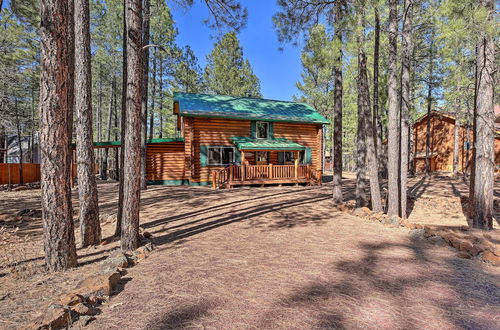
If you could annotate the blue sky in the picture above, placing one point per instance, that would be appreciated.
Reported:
(277, 70)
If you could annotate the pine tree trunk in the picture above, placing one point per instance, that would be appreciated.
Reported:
(364, 108)
(153, 98)
(377, 124)
(430, 87)
(405, 101)
(55, 134)
(133, 131)
(99, 124)
(456, 144)
(145, 82)
(337, 115)
(361, 199)
(119, 217)
(393, 136)
(20, 142)
(481, 197)
(90, 228)
(110, 126)
(160, 87)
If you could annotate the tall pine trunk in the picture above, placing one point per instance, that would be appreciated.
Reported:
(377, 124)
(160, 87)
(405, 100)
(364, 108)
(90, 229)
(153, 98)
(430, 87)
(55, 134)
(145, 82)
(393, 136)
(456, 144)
(481, 195)
(118, 228)
(133, 132)
(99, 123)
(361, 198)
(110, 125)
(19, 142)
(337, 114)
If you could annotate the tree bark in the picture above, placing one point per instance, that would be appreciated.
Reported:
(160, 87)
(364, 108)
(133, 131)
(481, 197)
(153, 98)
(430, 86)
(456, 144)
(55, 134)
(90, 228)
(337, 114)
(118, 228)
(99, 125)
(361, 198)
(110, 125)
(145, 82)
(377, 124)
(20, 142)
(393, 136)
(405, 100)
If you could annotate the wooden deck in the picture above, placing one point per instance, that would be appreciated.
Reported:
(237, 175)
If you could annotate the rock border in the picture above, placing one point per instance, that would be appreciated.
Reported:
(468, 246)
(78, 307)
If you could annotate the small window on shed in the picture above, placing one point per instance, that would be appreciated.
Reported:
(262, 130)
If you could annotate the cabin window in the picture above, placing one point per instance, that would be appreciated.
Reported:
(220, 155)
(262, 130)
(262, 157)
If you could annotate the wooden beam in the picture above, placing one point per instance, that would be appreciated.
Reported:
(296, 164)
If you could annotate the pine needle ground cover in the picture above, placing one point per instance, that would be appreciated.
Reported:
(273, 257)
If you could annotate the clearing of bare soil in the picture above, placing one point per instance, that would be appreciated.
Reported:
(272, 257)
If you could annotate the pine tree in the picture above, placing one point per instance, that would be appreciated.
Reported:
(228, 72)
(393, 138)
(55, 137)
(87, 187)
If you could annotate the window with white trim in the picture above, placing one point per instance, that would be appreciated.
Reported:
(220, 155)
(262, 130)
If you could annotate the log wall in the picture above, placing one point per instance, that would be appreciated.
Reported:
(165, 162)
(218, 132)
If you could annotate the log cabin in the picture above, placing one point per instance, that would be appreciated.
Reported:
(233, 141)
(442, 142)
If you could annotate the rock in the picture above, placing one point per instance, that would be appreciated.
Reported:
(20, 188)
(361, 212)
(55, 317)
(71, 300)
(491, 258)
(416, 233)
(465, 246)
(377, 216)
(115, 260)
(411, 225)
(100, 285)
(464, 255)
(83, 321)
(82, 309)
(350, 204)
(391, 220)
(147, 234)
(464, 228)
(437, 240)
(478, 248)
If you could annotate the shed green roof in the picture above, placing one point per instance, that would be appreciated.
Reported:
(246, 143)
(231, 107)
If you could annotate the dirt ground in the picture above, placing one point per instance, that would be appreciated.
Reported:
(272, 257)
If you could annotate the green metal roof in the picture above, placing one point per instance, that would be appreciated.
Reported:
(247, 143)
(230, 107)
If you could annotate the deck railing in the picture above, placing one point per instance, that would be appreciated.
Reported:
(249, 174)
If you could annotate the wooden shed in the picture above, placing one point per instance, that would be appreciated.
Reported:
(442, 142)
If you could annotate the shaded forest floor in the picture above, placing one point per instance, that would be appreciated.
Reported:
(272, 257)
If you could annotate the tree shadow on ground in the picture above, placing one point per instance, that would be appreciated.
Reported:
(363, 293)
(183, 316)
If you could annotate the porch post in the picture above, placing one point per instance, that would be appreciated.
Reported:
(296, 165)
(270, 171)
(242, 165)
